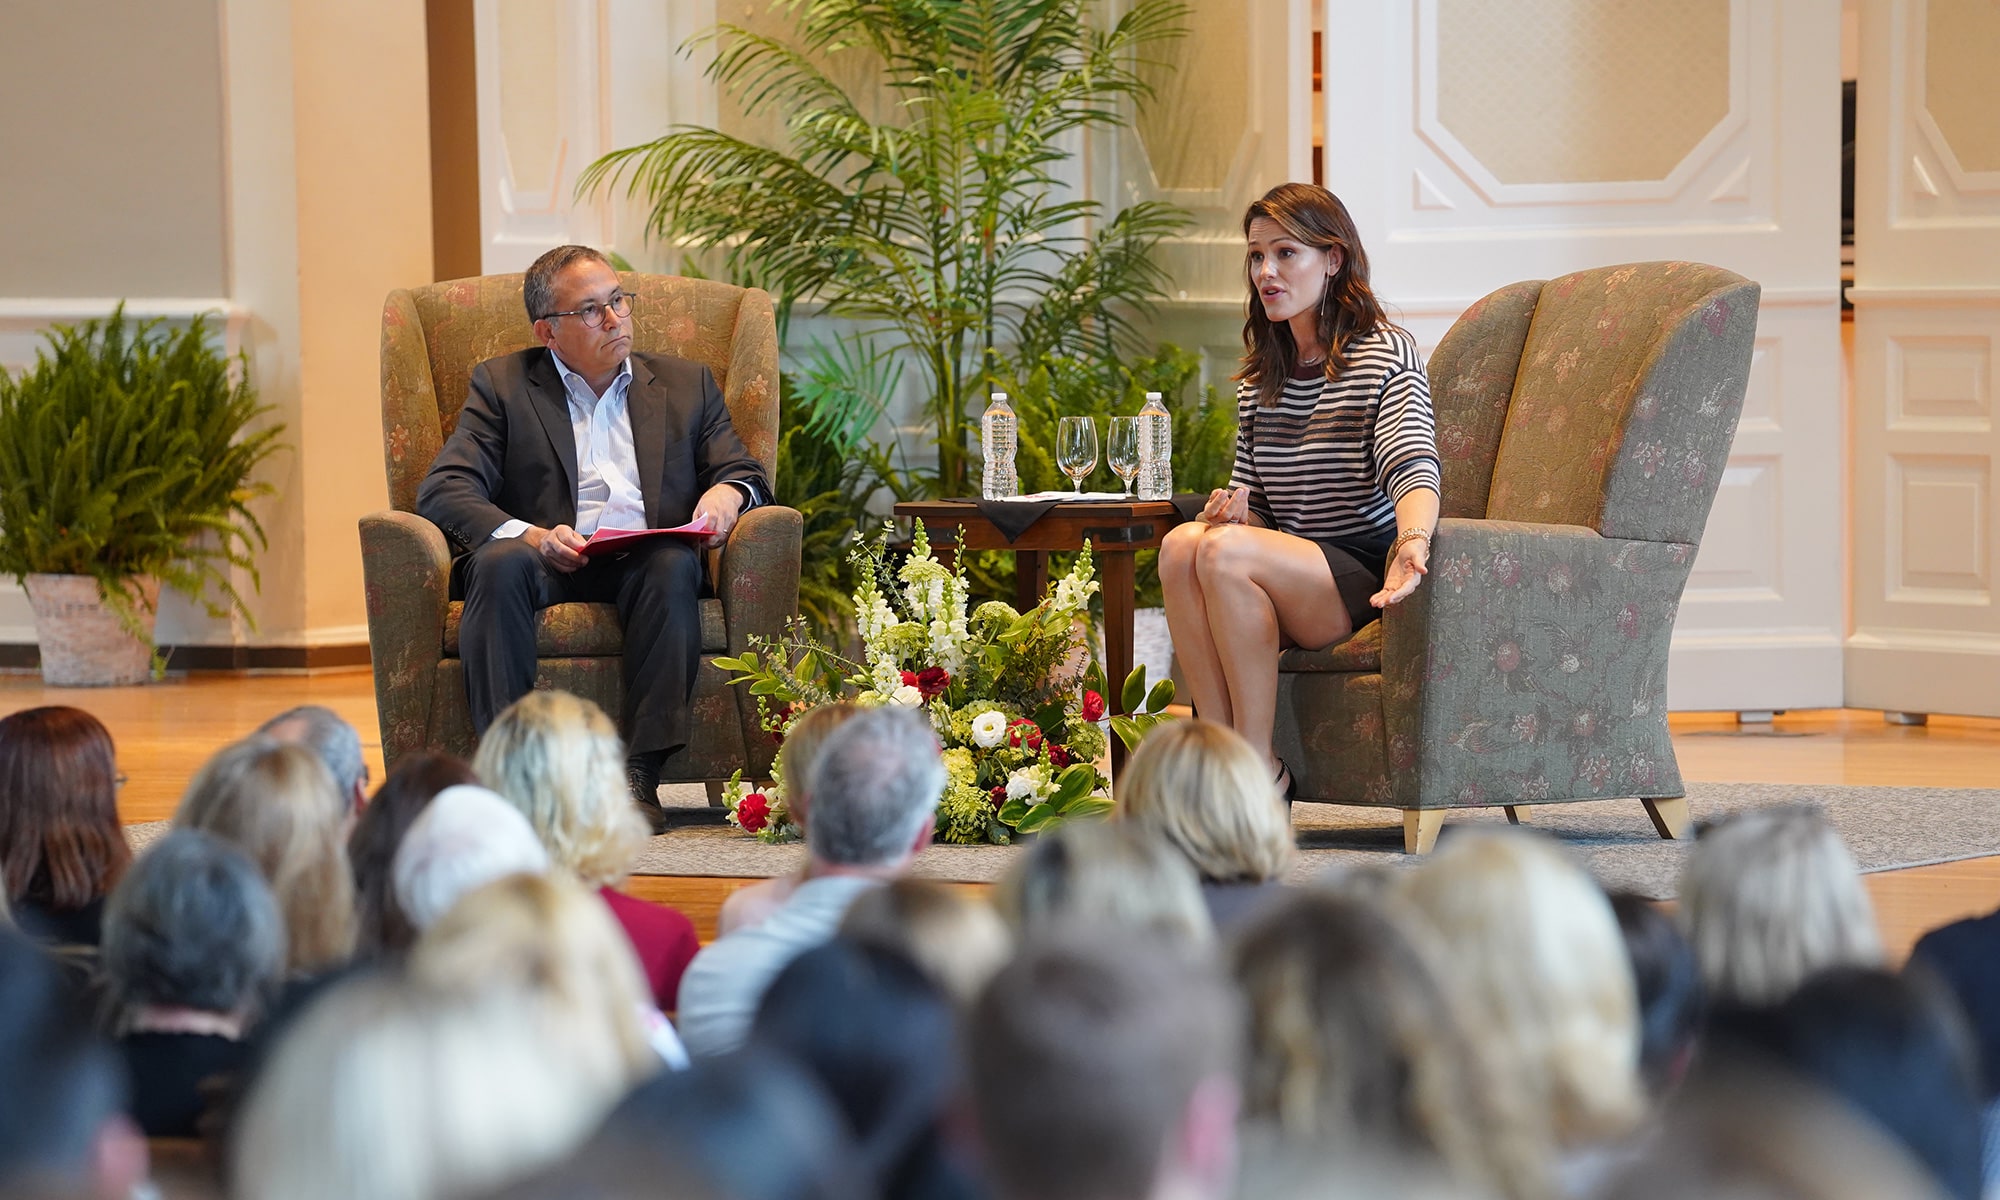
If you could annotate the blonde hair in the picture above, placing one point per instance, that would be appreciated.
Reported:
(955, 938)
(1536, 946)
(1104, 874)
(1771, 896)
(279, 804)
(394, 1091)
(557, 944)
(1358, 1040)
(804, 739)
(557, 758)
(1204, 789)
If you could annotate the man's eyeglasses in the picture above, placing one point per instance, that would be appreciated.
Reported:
(593, 312)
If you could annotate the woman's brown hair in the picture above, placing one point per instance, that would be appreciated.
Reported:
(1311, 216)
(60, 844)
(371, 848)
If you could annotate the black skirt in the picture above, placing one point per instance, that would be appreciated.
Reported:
(1358, 565)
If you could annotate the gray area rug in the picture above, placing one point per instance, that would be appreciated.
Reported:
(1887, 828)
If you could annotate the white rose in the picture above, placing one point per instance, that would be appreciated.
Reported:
(1022, 786)
(989, 728)
(908, 695)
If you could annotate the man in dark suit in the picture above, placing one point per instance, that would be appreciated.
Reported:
(557, 442)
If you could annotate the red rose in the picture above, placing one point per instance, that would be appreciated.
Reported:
(932, 681)
(753, 812)
(1024, 732)
(1093, 705)
(999, 794)
(909, 679)
(1058, 757)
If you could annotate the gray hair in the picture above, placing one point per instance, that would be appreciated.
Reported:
(327, 734)
(192, 925)
(876, 781)
(538, 286)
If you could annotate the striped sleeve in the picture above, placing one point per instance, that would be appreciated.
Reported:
(1243, 471)
(1406, 431)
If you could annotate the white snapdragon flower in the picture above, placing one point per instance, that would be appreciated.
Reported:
(1030, 784)
(907, 695)
(989, 728)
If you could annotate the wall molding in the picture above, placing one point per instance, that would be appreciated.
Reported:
(27, 656)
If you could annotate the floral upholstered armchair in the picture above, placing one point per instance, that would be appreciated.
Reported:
(432, 337)
(1583, 426)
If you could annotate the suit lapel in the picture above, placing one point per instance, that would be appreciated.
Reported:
(646, 409)
(551, 404)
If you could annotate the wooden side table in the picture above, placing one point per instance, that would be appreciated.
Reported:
(1116, 529)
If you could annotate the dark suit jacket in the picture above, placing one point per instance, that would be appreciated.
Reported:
(513, 454)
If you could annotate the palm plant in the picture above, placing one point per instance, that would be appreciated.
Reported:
(941, 225)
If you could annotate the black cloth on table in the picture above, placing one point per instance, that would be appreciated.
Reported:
(1014, 517)
(168, 1071)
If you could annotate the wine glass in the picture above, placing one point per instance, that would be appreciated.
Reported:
(1076, 449)
(1121, 450)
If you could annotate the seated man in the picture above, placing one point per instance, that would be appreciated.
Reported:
(554, 444)
(875, 788)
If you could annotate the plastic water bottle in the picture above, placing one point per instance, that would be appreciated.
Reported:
(1156, 450)
(996, 442)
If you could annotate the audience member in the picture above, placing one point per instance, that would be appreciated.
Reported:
(750, 904)
(327, 734)
(955, 938)
(1769, 897)
(278, 804)
(1357, 1042)
(1535, 946)
(192, 938)
(61, 848)
(1964, 957)
(63, 1128)
(1669, 989)
(1102, 1066)
(1104, 872)
(1206, 791)
(467, 838)
(557, 758)
(382, 929)
(875, 788)
(879, 1036)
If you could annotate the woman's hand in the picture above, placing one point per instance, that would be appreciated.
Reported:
(1406, 570)
(1227, 506)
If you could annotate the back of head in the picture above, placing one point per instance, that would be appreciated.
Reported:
(277, 803)
(957, 939)
(467, 837)
(558, 759)
(59, 1084)
(874, 787)
(382, 926)
(1110, 873)
(804, 739)
(327, 734)
(192, 925)
(1769, 897)
(1204, 789)
(1084, 1056)
(1533, 941)
(1669, 987)
(60, 843)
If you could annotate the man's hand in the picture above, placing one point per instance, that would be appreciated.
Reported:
(721, 504)
(561, 546)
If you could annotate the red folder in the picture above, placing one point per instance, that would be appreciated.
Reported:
(618, 541)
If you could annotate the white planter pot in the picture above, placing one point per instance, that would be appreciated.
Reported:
(83, 645)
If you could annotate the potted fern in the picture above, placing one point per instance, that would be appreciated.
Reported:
(125, 463)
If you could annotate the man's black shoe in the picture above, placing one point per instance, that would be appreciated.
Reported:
(645, 784)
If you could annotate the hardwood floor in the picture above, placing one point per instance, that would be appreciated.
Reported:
(166, 730)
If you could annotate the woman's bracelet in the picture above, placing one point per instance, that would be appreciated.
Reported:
(1408, 535)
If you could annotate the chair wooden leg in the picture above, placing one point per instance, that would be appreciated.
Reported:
(1670, 816)
(1420, 829)
(715, 793)
(1517, 814)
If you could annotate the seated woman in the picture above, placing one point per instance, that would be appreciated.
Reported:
(1336, 469)
(557, 758)
(1108, 874)
(749, 905)
(61, 849)
(192, 937)
(383, 929)
(1202, 789)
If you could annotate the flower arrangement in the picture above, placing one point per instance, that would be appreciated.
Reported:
(1017, 714)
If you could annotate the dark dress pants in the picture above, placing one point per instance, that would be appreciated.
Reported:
(657, 589)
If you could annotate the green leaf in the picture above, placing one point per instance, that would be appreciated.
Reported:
(1012, 811)
(1049, 718)
(1161, 696)
(1088, 807)
(1132, 698)
(1038, 817)
(1128, 731)
(766, 687)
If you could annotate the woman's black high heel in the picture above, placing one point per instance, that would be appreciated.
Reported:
(1286, 783)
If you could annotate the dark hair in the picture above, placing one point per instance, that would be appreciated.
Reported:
(60, 844)
(327, 734)
(538, 286)
(878, 1035)
(1669, 986)
(192, 925)
(1348, 309)
(371, 847)
(61, 1081)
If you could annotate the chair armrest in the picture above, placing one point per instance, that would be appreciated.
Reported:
(406, 569)
(757, 578)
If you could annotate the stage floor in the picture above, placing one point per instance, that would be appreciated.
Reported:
(166, 730)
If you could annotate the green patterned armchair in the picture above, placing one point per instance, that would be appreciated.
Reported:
(1583, 426)
(432, 337)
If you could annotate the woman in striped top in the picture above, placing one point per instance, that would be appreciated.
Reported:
(1328, 515)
